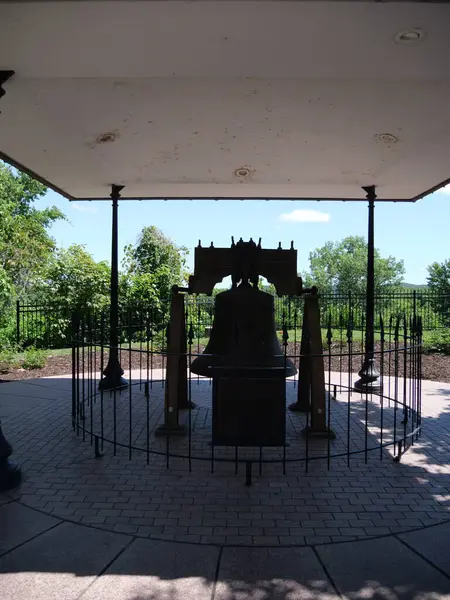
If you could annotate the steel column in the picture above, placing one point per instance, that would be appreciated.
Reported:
(113, 373)
(369, 373)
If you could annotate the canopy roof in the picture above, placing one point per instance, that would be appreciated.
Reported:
(254, 99)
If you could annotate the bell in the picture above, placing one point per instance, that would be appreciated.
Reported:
(243, 338)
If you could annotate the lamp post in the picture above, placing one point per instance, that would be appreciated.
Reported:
(113, 372)
(369, 373)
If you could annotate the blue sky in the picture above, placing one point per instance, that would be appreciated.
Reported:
(417, 233)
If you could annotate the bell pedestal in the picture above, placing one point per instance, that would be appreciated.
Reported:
(249, 408)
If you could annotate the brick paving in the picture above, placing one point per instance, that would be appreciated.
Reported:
(129, 496)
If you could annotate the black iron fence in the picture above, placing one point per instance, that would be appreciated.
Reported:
(356, 425)
(50, 326)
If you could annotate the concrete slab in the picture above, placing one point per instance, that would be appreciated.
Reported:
(271, 574)
(433, 543)
(59, 564)
(382, 569)
(158, 570)
(19, 524)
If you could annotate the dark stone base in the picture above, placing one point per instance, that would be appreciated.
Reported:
(187, 406)
(165, 430)
(110, 383)
(367, 387)
(327, 434)
(10, 475)
(298, 407)
(249, 411)
(369, 378)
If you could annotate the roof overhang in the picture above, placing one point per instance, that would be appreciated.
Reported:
(227, 99)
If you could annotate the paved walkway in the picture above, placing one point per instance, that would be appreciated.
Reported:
(85, 528)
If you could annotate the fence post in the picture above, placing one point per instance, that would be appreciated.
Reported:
(18, 322)
(74, 342)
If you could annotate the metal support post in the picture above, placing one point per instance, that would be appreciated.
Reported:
(369, 373)
(113, 373)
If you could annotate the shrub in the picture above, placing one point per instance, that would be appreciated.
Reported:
(34, 359)
(437, 342)
(8, 360)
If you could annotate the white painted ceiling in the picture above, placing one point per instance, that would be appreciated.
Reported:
(172, 98)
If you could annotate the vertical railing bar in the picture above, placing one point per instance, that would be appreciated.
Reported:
(329, 342)
(151, 346)
(91, 375)
(83, 399)
(405, 380)
(198, 332)
(382, 334)
(141, 326)
(190, 340)
(102, 337)
(114, 420)
(130, 385)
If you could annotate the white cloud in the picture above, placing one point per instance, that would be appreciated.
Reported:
(445, 190)
(85, 207)
(305, 216)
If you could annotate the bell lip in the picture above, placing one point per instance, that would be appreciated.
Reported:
(257, 372)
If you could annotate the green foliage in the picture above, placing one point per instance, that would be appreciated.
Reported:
(73, 280)
(152, 267)
(439, 283)
(437, 342)
(7, 330)
(159, 259)
(8, 360)
(6, 300)
(25, 244)
(34, 359)
(439, 277)
(341, 267)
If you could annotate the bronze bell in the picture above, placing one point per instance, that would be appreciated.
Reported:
(243, 338)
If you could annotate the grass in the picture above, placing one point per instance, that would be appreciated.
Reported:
(28, 359)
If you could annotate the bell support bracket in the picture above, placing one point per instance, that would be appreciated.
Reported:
(315, 382)
(175, 397)
(303, 404)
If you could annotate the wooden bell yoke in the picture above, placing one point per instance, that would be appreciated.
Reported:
(279, 267)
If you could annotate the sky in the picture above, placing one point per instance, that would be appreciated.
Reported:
(418, 232)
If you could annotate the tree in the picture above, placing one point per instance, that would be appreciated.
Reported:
(73, 280)
(25, 244)
(6, 293)
(340, 267)
(439, 277)
(154, 263)
(439, 283)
